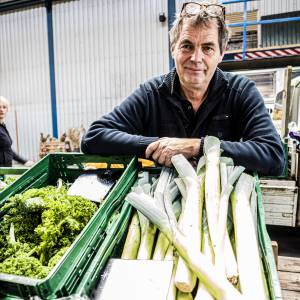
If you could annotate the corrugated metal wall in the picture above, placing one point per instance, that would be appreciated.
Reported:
(273, 7)
(104, 50)
(281, 33)
(24, 77)
(265, 7)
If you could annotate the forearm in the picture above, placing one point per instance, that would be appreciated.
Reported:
(267, 158)
(18, 158)
(107, 141)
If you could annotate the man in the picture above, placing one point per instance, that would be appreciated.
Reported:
(172, 113)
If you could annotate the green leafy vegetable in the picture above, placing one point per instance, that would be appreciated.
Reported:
(38, 228)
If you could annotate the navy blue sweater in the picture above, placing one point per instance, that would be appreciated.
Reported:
(233, 111)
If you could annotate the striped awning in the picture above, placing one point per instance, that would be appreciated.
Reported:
(264, 54)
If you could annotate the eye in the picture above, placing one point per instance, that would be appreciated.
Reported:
(208, 50)
(186, 47)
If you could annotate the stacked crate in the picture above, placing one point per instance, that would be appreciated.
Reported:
(280, 199)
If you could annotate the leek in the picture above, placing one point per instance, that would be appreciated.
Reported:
(211, 277)
(250, 272)
(202, 292)
(212, 153)
(148, 230)
(170, 253)
(133, 239)
(163, 243)
(183, 167)
(183, 296)
(225, 258)
(190, 222)
(180, 184)
(164, 194)
(172, 288)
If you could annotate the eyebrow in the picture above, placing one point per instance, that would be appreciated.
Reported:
(185, 41)
(209, 44)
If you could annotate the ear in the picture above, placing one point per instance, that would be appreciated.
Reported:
(221, 57)
(172, 50)
(223, 53)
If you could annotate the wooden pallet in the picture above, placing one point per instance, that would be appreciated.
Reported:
(289, 276)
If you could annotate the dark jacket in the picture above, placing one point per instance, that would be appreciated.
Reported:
(6, 153)
(233, 111)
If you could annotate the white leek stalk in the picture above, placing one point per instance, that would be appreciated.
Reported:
(148, 230)
(212, 153)
(172, 288)
(183, 167)
(133, 239)
(170, 253)
(209, 275)
(225, 258)
(250, 273)
(180, 184)
(202, 292)
(162, 243)
(147, 236)
(190, 226)
(190, 221)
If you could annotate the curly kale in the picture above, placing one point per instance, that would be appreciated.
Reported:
(8, 180)
(24, 265)
(38, 228)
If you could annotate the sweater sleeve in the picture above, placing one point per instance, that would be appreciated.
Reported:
(120, 131)
(260, 148)
(18, 158)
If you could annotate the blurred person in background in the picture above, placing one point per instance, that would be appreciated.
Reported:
(7, 155)
(172, 113)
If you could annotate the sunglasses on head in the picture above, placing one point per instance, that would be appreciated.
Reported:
(194, 8)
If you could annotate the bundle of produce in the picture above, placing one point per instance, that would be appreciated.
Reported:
(215, 235)
(143, 240)
(38, 227)
(8, 180)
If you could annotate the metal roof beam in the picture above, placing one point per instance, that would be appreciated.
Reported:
(20, 4)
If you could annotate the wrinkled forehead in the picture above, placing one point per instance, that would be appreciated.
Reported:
(209, 28)
(197, 23)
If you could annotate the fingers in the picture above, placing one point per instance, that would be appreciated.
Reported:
(159, 152)
(151, 149)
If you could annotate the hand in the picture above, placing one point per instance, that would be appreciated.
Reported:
(163, 149)
(29, 163)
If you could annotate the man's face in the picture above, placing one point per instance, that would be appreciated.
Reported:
(197, 54)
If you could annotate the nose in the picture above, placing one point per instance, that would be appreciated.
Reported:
(197, 55)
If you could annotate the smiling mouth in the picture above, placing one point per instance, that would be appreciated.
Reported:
(195, 70)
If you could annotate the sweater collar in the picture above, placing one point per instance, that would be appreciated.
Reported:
(218, 81)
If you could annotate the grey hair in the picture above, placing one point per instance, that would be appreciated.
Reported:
(4, 100)
(202, 18)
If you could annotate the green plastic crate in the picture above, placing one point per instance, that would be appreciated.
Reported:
(66, 275)
(112, 246)
(266, 249)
